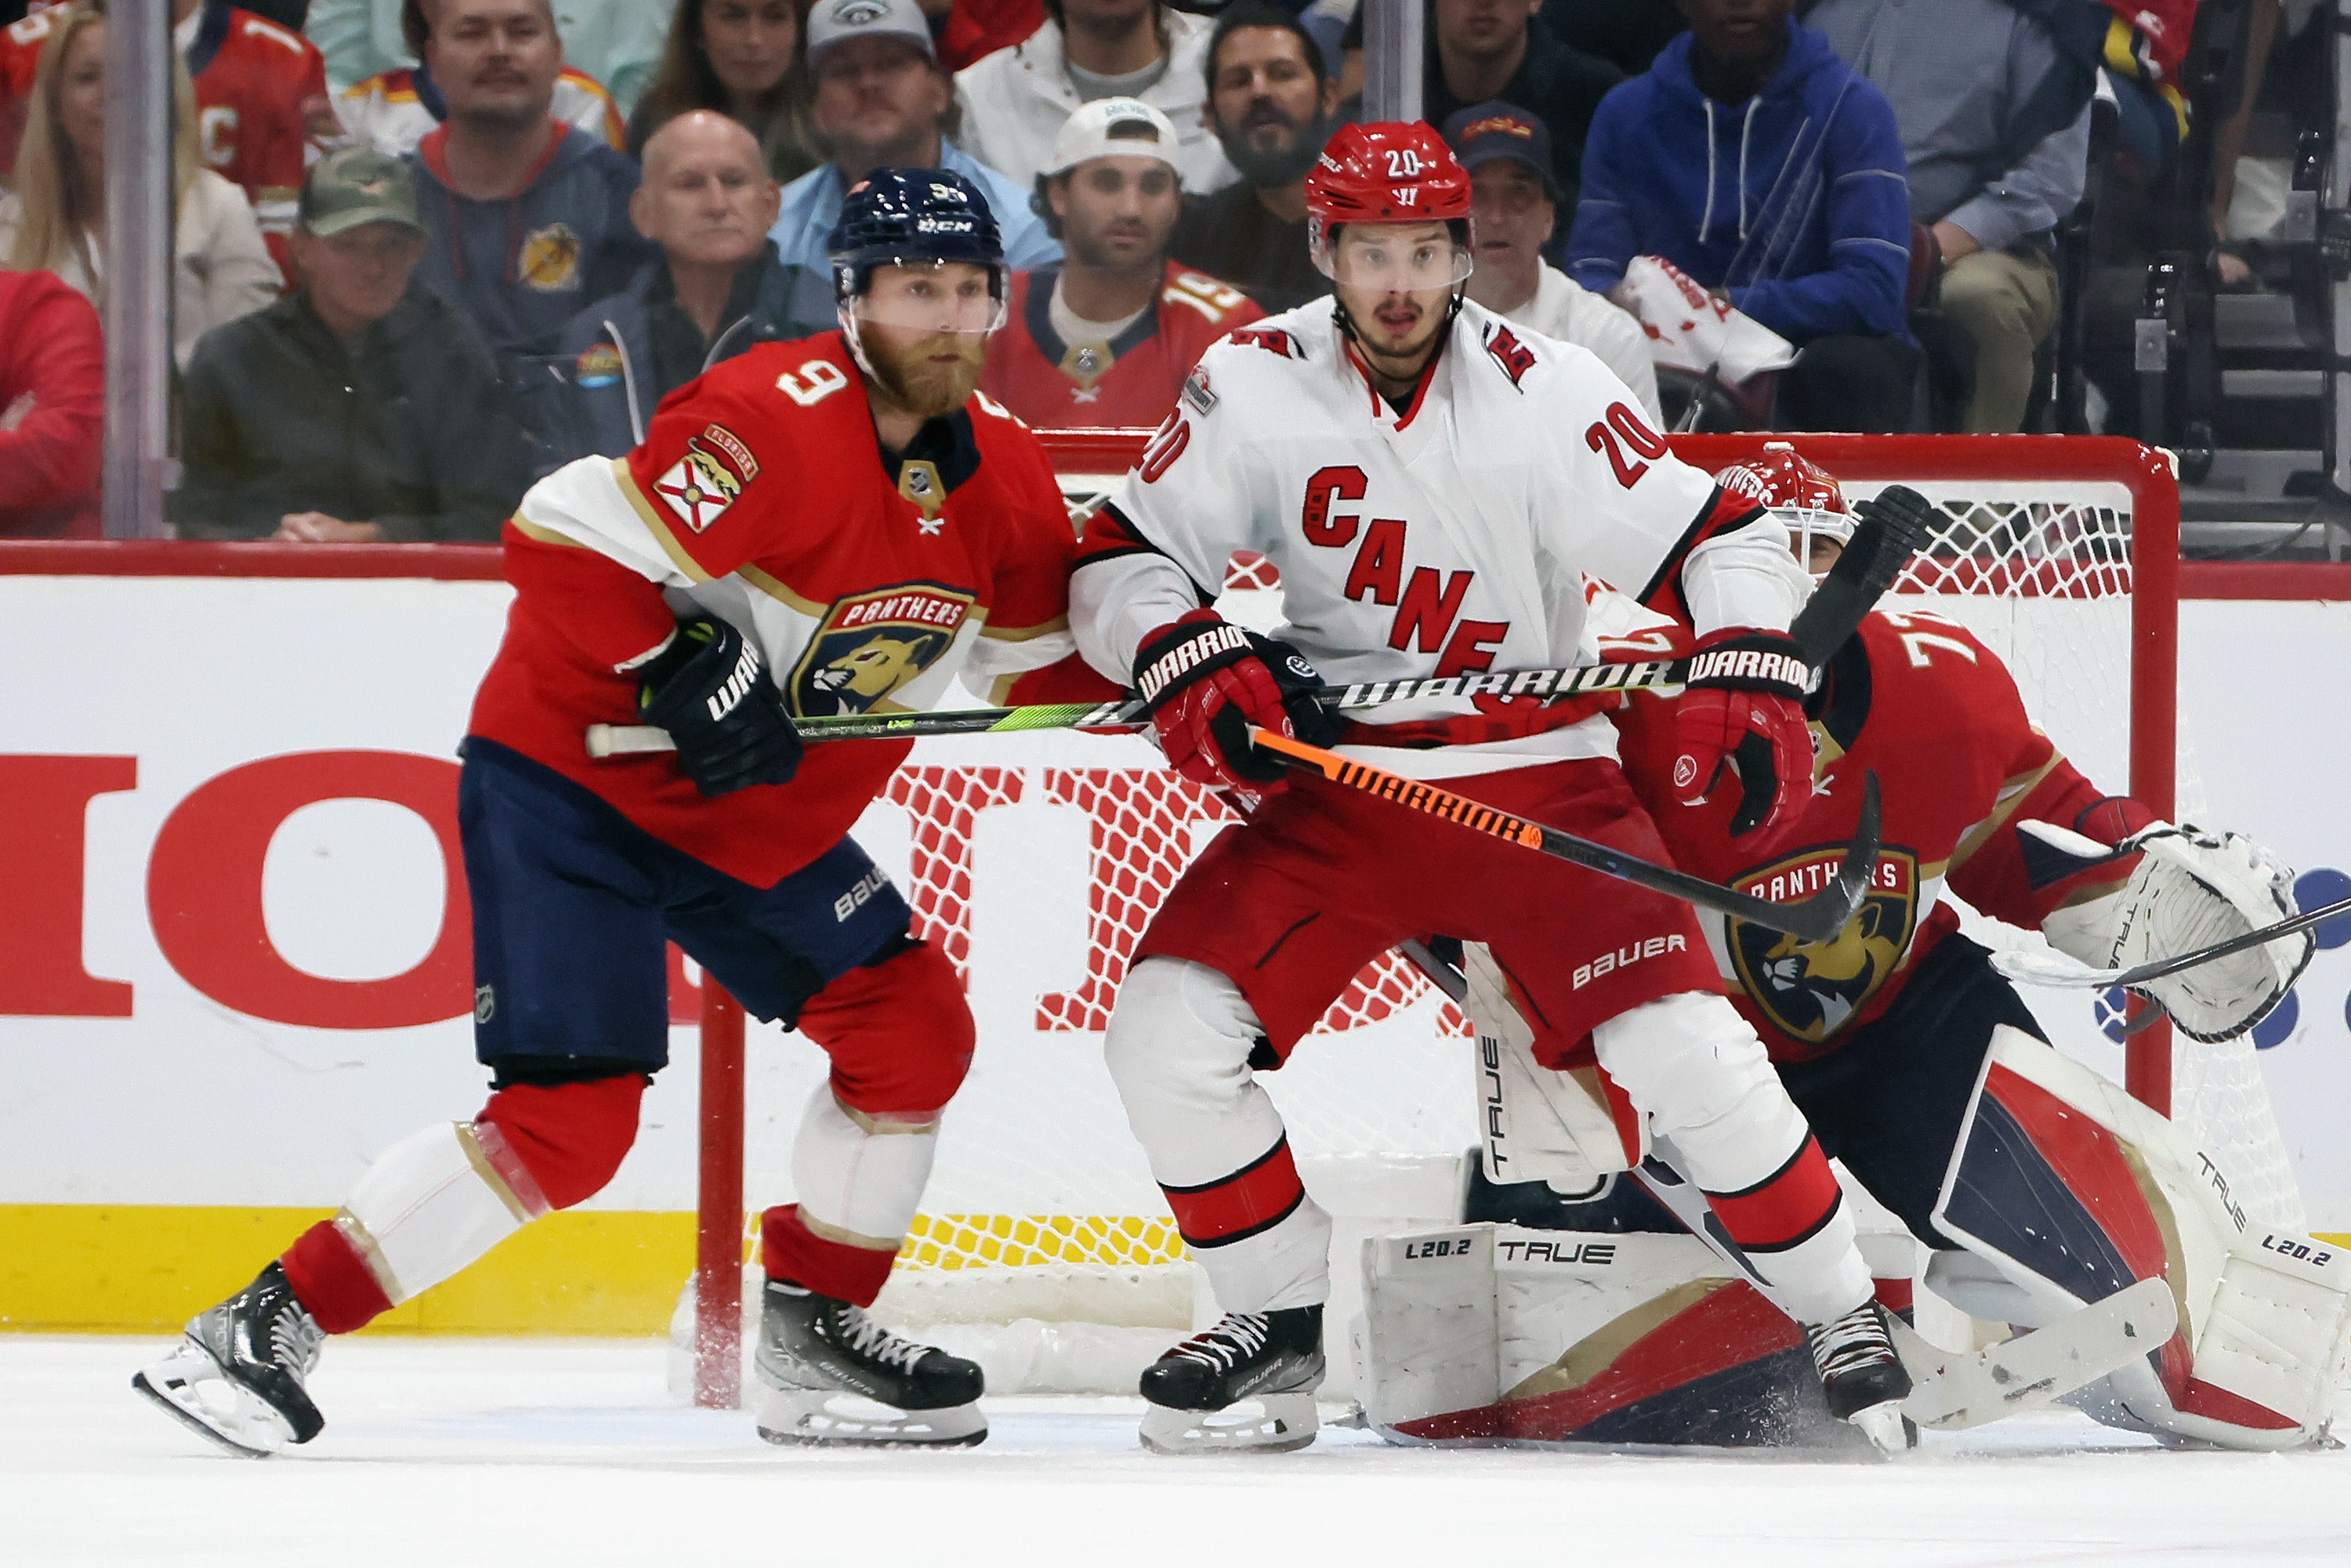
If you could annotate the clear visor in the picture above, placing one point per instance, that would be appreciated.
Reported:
(1394, 260)
(936, 297)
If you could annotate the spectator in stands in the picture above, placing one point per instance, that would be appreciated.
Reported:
(1515, 206)
(1273, 103)
(717, 289)
(361, 408)
(1961, 74)
(1491, 49)
(883, 102)
(1108, 337)
(394, 110)
(1627, 34)
(52, 409)
(261, 98)
(528, 217)
(742, 59)
(616, 43)
(1760, 164)
(975, 29)
(1015, 101)
(55, 216)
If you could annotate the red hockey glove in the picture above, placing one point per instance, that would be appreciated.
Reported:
(1204, 679)
(1744, 710)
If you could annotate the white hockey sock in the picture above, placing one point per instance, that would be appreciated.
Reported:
(860, 1177)
(436, 1201)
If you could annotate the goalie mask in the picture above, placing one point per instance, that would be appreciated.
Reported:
(1804, 497)
(925, 221)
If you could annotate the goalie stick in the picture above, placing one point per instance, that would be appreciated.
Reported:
(1816, 919)
(1953, 1391)
(1894, 525)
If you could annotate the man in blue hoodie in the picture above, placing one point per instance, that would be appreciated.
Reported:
(1757, 162)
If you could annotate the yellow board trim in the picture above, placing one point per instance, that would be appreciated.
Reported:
(148, 1268)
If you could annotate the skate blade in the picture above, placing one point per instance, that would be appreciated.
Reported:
(815, 1417)
(1888, 1429)
(191, 1386)
(1265, 1424)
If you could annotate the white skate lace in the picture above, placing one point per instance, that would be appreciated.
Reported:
(1220, 1349)
(1846, 1344)
(294, 1340)
(870, 1340)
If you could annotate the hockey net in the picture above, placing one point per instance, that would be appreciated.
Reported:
(1036, 862)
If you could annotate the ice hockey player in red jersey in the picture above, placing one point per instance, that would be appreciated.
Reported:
(1106, 337)
(833, 525)
(1431, 484)
(261, 100)
(1882, 1034)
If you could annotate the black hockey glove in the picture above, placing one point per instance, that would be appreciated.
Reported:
(709, 688)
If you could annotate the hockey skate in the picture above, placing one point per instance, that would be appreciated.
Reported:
(1270, 1360)
(236, 1377)
(828, 1374)
(1864, 1379)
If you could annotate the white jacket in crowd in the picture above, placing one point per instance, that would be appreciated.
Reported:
(1565, 309)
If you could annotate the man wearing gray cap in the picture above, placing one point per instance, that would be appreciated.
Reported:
(360, 408)
(883, 102)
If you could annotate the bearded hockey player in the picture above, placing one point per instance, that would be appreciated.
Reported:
(2039, 1187)
(796, 510)
(1430, 483)
(1107, 336)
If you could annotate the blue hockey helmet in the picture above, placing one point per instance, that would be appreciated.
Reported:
(911, 217)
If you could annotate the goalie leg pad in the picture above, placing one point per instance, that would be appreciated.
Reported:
(1700, 1075)
(1570, 1127)
(1178, 1051)
(2075, 1191)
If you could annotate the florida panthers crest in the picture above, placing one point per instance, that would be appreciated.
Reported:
(1813, 989)
(870, 644)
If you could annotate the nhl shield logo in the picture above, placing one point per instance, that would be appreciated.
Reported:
(873, 644)
(1814, 990)
(699, 485)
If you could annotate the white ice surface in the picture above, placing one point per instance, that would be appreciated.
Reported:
(498, 1453)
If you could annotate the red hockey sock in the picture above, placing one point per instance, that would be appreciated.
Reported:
(1784, 1208)
(789, 1250)
(333, 1280)
(569, 1137)
(1258, 1197)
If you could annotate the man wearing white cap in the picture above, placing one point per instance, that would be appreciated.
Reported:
(1108, 337)
(1014, 100)
(883, 102)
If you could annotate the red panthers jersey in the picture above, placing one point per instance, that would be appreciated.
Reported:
(1131, 381)
(261, 101)
(761, 498)
(1920, 702)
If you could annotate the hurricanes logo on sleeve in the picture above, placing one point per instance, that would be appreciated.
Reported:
(703, 482)
(871, 646)
(1812, 990)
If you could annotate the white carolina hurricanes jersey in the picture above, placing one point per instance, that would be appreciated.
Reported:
(1449, 539)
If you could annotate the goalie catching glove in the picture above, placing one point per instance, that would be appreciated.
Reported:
(2193, 889)
(1204, 681)
(1744, 711)
(709, 688)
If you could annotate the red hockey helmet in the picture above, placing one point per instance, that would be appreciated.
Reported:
(1387, 173)
(1798, 491)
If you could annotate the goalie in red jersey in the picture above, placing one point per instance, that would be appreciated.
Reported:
(828, 526)
(1920, 1067)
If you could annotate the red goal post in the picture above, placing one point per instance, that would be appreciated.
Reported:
(2045, 534)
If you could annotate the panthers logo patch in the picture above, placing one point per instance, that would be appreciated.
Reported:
(548, 261)
(1812, 990)
(873, 644)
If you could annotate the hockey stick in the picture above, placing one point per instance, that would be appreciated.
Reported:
(1816, 919)
(1894, 525)
(2057, 969)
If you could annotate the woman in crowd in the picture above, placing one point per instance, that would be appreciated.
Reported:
(55, 220)
(742, 59)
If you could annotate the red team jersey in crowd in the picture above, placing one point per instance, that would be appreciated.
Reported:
(1131, 381)
(760, 496)
(1929, 709)
(261, 101)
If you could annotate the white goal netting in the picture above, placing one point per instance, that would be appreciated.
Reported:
(1036, 862)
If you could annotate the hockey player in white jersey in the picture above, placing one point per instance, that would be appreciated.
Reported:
(1432, 483)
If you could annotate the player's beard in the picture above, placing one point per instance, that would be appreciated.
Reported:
(924, 386)
(1421, 339)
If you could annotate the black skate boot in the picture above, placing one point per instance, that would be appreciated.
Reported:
(1272, 1359)
(236, 1377)
(1864, 1379)
(815, 1349)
